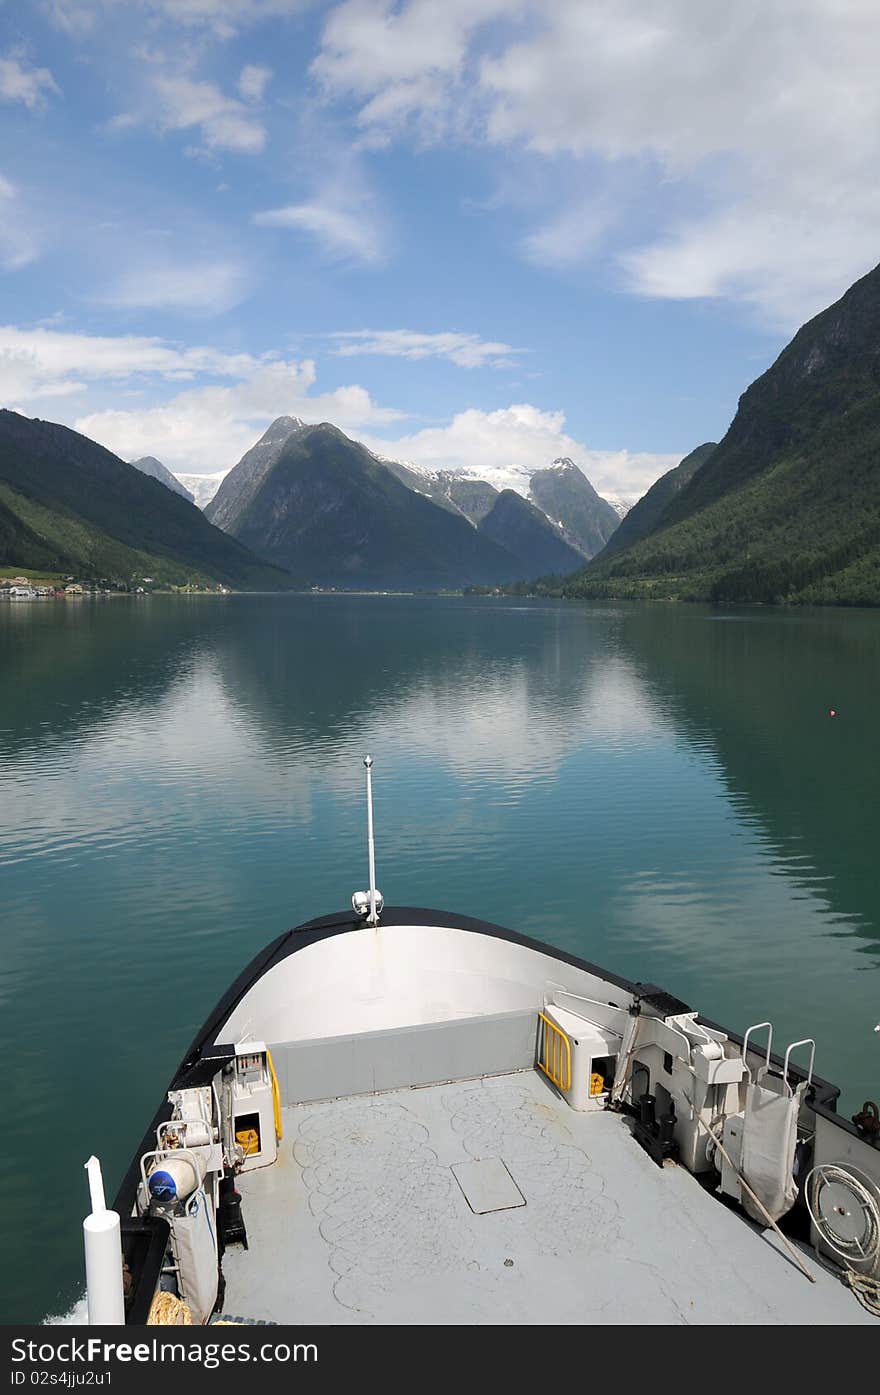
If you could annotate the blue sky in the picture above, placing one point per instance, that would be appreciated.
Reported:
(470, 232)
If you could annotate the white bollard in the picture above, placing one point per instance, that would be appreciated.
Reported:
(102, 1240)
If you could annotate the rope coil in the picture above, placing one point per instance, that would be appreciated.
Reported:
(860, 1253)
(866, 1290)
(167, 1310)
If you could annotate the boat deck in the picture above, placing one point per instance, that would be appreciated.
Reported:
(365, 1218)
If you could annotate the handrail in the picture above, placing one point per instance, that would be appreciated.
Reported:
(276, 1098)
(745, 1046)
(556, 1052)
(806, 1041)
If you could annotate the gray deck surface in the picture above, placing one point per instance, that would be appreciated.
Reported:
(361, 1220)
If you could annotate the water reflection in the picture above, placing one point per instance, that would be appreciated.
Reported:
(759, 688)
(268, 711)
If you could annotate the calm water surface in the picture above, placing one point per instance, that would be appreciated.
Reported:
(659, 789)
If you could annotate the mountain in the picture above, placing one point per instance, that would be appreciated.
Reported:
(787, 506)
(453, 490)
(532, 543)
(424, 482)
(327, 508)
(241, 484)
(621, 503)
(561, 491)
(523, 530)
(202, 488)
(472, 497)
(566, 496)
(643, 517)
(149, 465)
(67, 504)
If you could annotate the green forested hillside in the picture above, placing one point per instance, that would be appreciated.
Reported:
(643, 517)
(36, 538)
(67, 504)
(787, 507)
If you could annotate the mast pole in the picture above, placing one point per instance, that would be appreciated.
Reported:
(372, 918)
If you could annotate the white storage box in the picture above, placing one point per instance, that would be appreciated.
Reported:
(592, 1054)
(254, 1105)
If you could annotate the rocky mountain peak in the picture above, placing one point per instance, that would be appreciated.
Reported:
(149, 465)
(281, 428)
(566, 496)
(244, 479)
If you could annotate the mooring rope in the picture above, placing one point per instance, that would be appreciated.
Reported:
(167, 1310)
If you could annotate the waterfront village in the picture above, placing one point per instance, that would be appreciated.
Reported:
(62, 588)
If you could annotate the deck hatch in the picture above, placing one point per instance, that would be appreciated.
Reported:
(487, 1185)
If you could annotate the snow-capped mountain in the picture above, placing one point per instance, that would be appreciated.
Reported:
(456, 492)
(425, 481)
(621, 503)
(321, 505)
(567, 497)
(202, 487)
(333, 512)
(561, 491)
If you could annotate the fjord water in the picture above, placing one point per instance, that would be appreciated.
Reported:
(660, 789)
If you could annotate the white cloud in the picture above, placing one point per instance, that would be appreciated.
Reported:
(209, 425)
(684, 85)
(523, 436)
(402, 61)
(520, 435)
(225, 123)
(37, 363)
(626, 474)
(751, 131)
(206, 287)
(20, 82)
(203, 428)
(18, 246)
(342, 233)
(466, 350)
(571, 236)
(764, 257)
(253, 81)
